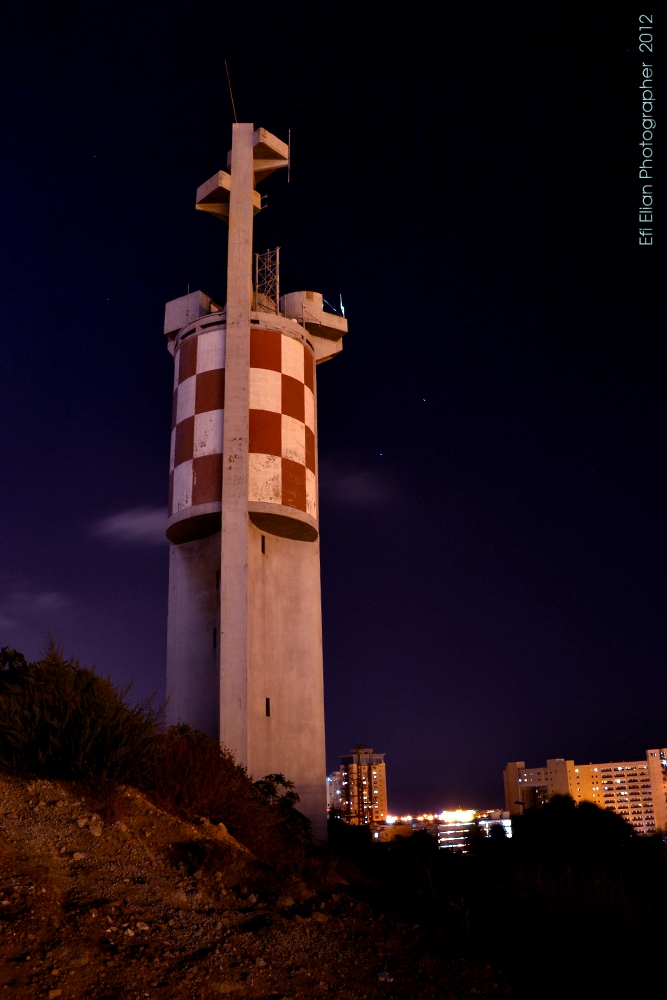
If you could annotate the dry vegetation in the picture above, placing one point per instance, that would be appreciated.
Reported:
(142, 862)
(139, 862)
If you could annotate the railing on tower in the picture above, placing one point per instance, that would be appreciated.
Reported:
(267, 281)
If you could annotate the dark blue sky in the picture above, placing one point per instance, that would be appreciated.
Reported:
(492, 440)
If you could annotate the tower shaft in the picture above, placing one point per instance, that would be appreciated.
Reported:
(244, 649)
(234, 541)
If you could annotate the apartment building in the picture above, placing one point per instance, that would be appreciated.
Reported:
(635, 789)
(363, 787)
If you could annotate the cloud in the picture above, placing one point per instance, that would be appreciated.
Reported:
(137, 526)
(45, 600)
(363, 488)
(22, 605)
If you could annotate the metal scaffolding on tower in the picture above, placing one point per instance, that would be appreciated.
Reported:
(267, 281)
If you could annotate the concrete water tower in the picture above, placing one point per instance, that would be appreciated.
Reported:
(244, 652)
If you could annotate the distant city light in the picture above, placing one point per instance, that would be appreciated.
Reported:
(458, 815)
(446, 816)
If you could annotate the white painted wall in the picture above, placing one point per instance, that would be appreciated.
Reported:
(193, 663)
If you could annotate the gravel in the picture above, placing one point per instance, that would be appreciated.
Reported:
(115, 899)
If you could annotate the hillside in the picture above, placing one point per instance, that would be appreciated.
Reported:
(116, 898)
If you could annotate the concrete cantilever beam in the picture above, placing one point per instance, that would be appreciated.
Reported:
(268, 153)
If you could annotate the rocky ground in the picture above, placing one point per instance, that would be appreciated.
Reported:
(114, 898)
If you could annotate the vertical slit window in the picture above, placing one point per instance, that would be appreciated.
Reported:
(268, 705)
(263, 545)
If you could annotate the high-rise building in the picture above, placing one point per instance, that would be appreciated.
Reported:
(636, 789)
(334, 795)
(363, 784)
(244, 656)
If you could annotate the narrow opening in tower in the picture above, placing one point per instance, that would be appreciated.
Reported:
(268, 707)
(263, 545)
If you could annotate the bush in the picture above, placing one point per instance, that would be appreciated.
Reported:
(59, 720)
(562, 829)
(548, 905)
(191, 775)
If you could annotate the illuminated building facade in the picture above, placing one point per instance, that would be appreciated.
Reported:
(636, 789)
(454, 828)
(363, 787)
(334, 795)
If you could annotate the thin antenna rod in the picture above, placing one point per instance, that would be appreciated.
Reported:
(289, 152)
(230, 92)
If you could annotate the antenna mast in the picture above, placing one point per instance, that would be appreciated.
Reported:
(230, 91)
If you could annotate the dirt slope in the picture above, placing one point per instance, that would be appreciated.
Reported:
(122, 900)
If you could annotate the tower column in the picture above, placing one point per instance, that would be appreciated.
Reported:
(234, 542)
(244, 659)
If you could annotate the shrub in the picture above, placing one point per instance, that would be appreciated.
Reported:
(561, 828)
(191, 775)
(59, 720)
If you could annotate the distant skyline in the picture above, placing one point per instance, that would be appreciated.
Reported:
(492, 438)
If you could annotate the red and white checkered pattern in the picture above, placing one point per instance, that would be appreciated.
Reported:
(282, 422)
(195, 468)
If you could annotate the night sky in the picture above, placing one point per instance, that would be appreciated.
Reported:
(492, 439)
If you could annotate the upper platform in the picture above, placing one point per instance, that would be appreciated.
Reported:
(269, 154)
(325, 330)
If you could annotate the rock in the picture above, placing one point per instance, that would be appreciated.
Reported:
(384, 977)
(78, 963)
(285, 902)
(78, 856)
(54, 993)
(319, 917)
(81, 823)
(96, 830)
(300, 891)
(141, 926)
